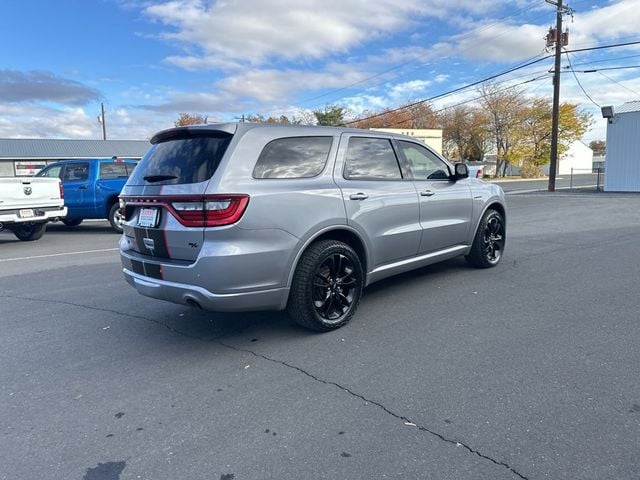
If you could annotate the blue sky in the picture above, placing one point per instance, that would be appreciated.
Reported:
(148, 61)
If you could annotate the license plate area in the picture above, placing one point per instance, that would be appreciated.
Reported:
(26, 213)
(148, 217)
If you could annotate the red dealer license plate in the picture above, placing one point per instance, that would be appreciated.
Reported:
(148, 217)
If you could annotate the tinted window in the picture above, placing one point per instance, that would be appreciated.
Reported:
(424, 164)
(371, 159)
(113, 170)
(296, 157)
(187, 157)
(130, 167)
(50, 172)
(76, 172)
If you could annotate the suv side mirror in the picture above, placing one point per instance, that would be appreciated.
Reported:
(462, 171)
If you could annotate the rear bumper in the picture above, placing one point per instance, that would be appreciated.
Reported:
(272, 299)
(45, 214)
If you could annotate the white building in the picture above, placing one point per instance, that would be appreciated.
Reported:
(578, 159)
(27, 156)
(431, 137)
(622, 168)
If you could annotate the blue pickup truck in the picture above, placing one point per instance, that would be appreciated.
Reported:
(91, 188)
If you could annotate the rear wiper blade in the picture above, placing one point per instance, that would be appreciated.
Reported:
(158, 178)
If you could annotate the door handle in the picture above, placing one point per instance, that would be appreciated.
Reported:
(83, 187)
(427, 193)
(358, 196)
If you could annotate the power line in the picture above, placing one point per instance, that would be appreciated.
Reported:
(376, 75)
(599, 70)
(606, 60)
(448, 107)
(623, 86)
(580, 84)
(456, 90)
(594, 70)
(444, 94)
(535, 79)
(600, 47)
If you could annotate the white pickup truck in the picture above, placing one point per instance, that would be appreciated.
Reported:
(27, 204)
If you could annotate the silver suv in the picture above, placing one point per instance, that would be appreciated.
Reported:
(233, 217)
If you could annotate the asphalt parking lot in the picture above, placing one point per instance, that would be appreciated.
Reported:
(528, 370)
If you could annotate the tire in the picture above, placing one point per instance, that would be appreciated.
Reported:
(29, 233)
(72, 222)
(488, 244)
(115, 219)
(327, 286)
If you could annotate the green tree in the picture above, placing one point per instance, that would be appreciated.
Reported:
(190, 119)
(533, 148)
(332, 115)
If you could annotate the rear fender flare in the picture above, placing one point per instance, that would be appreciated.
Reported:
(318, 234)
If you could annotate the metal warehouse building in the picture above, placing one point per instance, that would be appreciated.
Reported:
(622, 168)
(24, 157)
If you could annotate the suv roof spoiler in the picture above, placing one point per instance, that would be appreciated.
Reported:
(196, 130)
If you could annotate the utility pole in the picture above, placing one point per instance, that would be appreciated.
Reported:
(560, 39)
(101, 118)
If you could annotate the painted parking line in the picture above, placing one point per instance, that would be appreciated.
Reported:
(58, 254)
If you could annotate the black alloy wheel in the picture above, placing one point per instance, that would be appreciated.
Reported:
(493, 239)
(326, 287)
(489, 241)
(334, 287)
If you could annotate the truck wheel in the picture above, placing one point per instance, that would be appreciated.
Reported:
(326, 286)
(72, 222)
(115, 219)
(28, 233)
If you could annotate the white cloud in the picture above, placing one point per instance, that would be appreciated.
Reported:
(501, 42)
(269, 85)
(613, 21)
(37, 121)
(30, 121)
(254, 31)
(406, 91)
(359, 104)
(507, 42)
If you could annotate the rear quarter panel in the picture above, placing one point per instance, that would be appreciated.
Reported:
(300, 207)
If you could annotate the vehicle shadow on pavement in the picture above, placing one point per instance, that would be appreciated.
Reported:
(425, 275)
(214, 326)
(246, 327)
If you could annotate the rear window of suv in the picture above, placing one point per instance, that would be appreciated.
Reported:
(293, 157)
(181, 157)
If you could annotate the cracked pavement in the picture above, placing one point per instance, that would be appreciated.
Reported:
(528, 370)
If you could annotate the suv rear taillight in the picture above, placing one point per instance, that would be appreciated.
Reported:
(209, 211)
(479, 173)
(61, 189)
